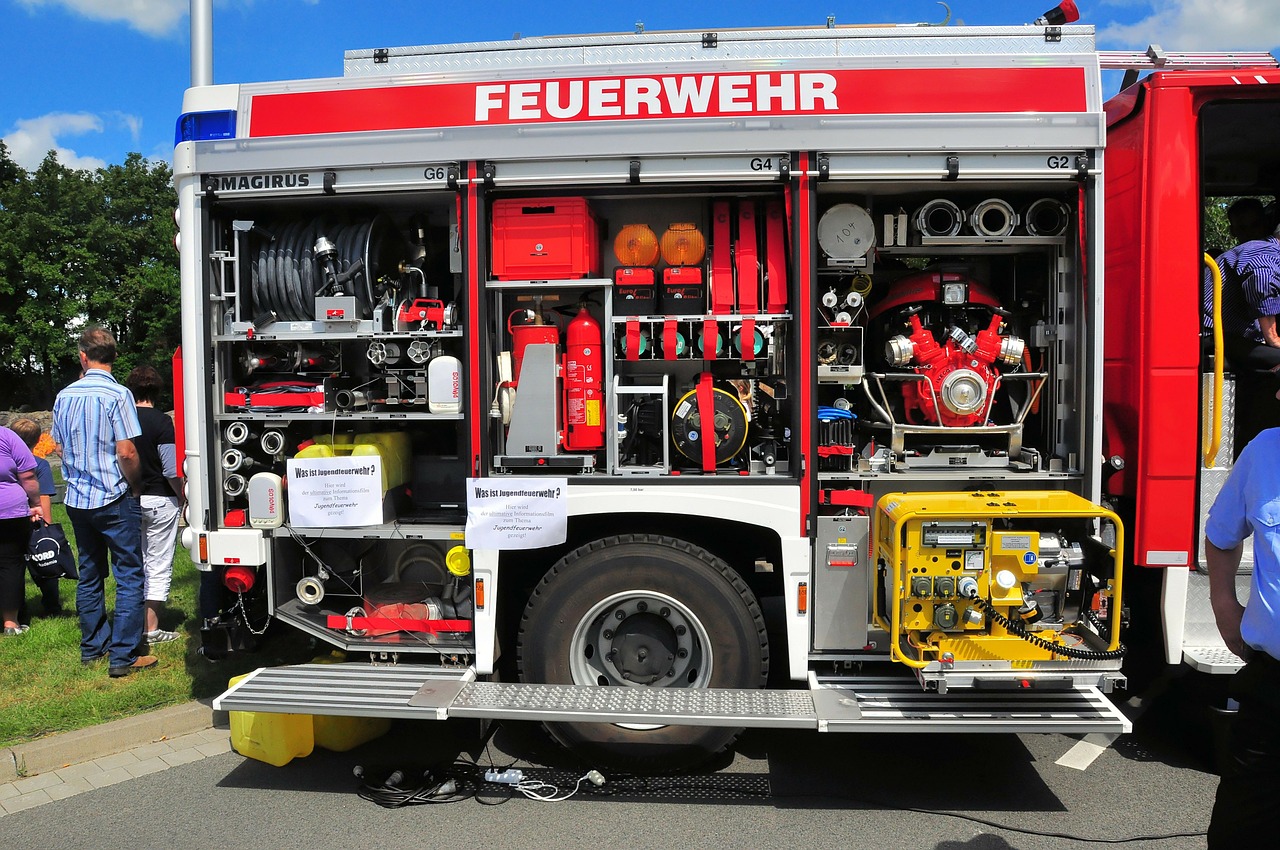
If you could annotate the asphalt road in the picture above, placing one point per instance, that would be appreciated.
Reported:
(780, 789)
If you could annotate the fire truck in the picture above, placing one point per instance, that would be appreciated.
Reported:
(656, 386)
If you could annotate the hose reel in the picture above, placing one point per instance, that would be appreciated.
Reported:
(728, 428)
(309, 258)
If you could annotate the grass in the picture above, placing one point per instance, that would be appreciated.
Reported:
(45, 689)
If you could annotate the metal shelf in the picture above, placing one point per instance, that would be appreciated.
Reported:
(340, 416)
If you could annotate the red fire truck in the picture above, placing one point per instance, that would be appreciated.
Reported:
(658, 385)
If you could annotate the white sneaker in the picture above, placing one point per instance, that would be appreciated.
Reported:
(159, 636)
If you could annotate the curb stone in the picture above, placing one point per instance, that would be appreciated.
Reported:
(57, 751)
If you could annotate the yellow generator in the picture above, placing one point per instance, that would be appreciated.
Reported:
(1013, 589)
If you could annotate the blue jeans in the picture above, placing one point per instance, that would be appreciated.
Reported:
(116, 528)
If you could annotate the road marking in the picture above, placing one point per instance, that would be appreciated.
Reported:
(1084, 752)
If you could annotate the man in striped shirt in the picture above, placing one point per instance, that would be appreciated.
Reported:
(95, 422)
(1250, 305)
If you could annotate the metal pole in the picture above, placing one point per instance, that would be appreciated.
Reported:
(201, 42)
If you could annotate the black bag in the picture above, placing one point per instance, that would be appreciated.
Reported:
(49, 554)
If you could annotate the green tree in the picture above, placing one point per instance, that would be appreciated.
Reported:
(82, 248)
(140, 299)
(50, 265)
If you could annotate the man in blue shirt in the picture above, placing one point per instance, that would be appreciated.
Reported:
(1250, 306)
(1249, 505)
(95, 423)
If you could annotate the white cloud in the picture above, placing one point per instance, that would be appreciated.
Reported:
(1199, 25)
(132, 123)
(32, 138)
(153, 17)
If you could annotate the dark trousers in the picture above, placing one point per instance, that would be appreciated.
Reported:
(1245, 807)
(14, 535)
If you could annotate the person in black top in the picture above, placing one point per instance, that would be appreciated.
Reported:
(161, 498)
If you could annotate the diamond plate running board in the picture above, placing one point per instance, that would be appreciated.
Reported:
(867, 704)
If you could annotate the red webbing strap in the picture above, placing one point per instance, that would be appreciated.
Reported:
(847, 498)
(747, 339)
(707, 418)
(633, 339)
(398, 624)
(748, 268)
(669, 337)
(775, 258)
(251, 400)
(721, 259)
(710, 330)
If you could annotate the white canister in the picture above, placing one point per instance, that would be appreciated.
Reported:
(444, 384)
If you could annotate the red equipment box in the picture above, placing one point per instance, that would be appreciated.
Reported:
(542, 238)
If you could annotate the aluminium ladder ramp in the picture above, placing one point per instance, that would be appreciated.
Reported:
(865, 704)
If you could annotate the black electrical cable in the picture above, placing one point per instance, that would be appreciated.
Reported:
(1016, 628)
(996, 825)
(468, 776)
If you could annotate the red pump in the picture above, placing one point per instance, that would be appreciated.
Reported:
(583, 396)
(960, 373)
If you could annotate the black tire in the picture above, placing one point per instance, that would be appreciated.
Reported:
(687, 620)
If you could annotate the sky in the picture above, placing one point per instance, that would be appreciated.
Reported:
(98, 79)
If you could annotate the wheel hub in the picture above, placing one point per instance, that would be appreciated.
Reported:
(640, 639)
(644, 648)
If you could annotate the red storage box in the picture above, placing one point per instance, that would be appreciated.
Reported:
(541, 238)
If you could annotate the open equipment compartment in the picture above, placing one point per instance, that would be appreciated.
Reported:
(624, 320)
(337, 331)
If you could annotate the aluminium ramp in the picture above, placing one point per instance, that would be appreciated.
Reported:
(876, 704)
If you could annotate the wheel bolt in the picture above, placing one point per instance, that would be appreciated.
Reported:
(680, 630)
(642, 606)
(642, 654)
(620, 614)
(683, 653)
(611, 655)
(607, 634)
(665, 612)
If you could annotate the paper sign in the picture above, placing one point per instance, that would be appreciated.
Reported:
(516, 513)
(335, 492)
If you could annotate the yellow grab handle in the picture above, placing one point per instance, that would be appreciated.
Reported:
(1214, 427)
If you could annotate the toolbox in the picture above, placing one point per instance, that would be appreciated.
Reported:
(684, 292)
(543, 238)
(634, 291)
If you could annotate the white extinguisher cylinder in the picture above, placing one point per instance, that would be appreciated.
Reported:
(583, 397)
(444, 384)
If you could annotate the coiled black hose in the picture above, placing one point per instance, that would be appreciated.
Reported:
(1016, 628)
(284, 277)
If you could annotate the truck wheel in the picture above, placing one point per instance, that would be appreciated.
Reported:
(641, 610)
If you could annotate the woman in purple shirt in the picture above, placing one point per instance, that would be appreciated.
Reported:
(19, 506)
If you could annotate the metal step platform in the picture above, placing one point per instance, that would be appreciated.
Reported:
(871, 704)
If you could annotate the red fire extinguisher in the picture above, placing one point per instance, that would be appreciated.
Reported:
(583, 398)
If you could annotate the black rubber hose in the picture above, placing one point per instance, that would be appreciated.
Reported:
(1016, 628)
